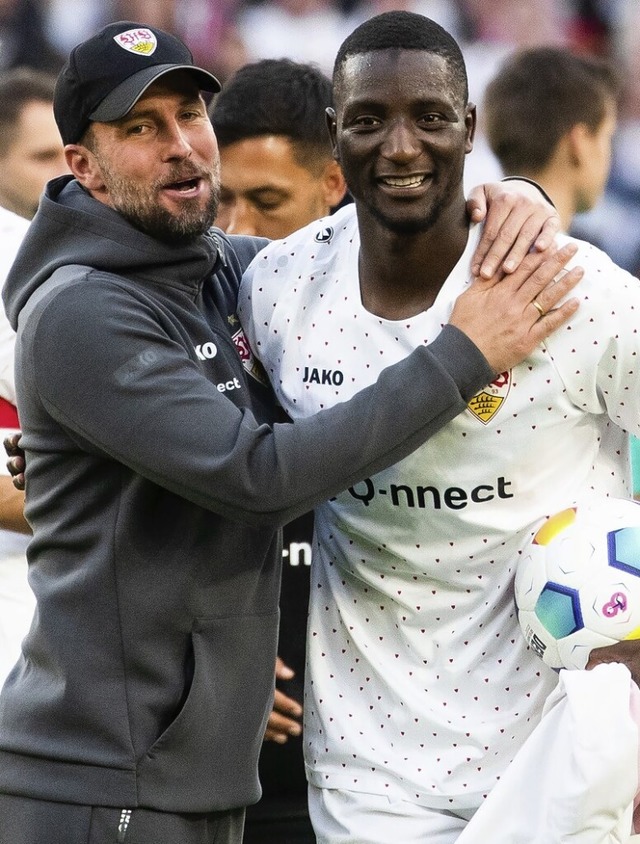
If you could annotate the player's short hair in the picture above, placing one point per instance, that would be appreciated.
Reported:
(404, 31)
(537, 96)
(276, 97)
(19, 86)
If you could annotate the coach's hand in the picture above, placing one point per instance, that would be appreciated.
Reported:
(517, 218)
(507, 319)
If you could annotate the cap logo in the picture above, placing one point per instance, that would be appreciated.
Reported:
(141, 41)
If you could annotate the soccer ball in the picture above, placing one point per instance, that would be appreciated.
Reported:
(577, 584)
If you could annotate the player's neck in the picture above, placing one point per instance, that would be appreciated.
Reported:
(558, 183)
(401, 275)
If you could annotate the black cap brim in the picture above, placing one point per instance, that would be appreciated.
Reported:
(122, 99)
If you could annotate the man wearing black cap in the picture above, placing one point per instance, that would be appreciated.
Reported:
(159, 473)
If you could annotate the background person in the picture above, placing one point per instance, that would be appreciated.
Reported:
(276, 168)
(30, 145)
(551, 115)
(30, 154)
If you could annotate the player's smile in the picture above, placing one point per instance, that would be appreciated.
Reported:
(401, 131)
(404, 183)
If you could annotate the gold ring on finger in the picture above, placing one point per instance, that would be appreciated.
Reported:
(538, 308)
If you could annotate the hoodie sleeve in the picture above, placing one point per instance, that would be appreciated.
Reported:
(123, 388)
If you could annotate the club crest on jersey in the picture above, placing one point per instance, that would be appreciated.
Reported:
(488, 401)
(141, 41)
(325, 235)
(249, 362)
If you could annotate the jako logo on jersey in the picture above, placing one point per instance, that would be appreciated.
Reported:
(333, 377)
(324, 235)
(141, 41)
(486, 403)
(206, 351)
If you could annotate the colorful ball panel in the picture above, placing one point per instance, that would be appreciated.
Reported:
(577, 584)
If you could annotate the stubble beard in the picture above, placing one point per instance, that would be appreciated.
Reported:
(408, 227)
(143, 211)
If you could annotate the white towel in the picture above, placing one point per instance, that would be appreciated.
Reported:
(575, 780)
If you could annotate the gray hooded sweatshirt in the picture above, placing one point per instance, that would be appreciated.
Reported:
(158, 475)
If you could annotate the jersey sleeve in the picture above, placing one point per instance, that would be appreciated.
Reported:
(597, 353)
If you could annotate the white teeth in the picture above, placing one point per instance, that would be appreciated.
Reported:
(404, 182)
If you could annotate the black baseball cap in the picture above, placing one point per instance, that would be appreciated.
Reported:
(106, 75)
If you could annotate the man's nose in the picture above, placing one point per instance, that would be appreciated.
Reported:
(401, 142)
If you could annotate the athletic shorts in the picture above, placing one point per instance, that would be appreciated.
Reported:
(351, 817)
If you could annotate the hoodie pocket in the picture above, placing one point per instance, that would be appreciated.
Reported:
(206, 760)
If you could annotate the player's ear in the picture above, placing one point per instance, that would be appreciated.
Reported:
(334, 186)
(578, 138)
(470, 120)
(330, 115)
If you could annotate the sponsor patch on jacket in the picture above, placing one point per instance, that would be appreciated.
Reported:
(488, 401)
(249, 362)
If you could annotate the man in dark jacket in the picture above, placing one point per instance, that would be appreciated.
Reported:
(159, 474)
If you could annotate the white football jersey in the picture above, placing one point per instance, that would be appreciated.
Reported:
(419, 682)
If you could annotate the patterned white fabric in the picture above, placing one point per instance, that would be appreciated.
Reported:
(419, 683)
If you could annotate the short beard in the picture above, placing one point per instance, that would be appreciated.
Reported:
(160, 224)
(149, 217)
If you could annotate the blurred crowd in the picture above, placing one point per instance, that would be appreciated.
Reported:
(226, 34)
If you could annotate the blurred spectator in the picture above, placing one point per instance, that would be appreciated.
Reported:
(23, 37)
(30, 146)
(589, 28)
(31, 153)
(16, 598)
(550, 115)
(303, 30)
(614, 223)
(445, 12)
